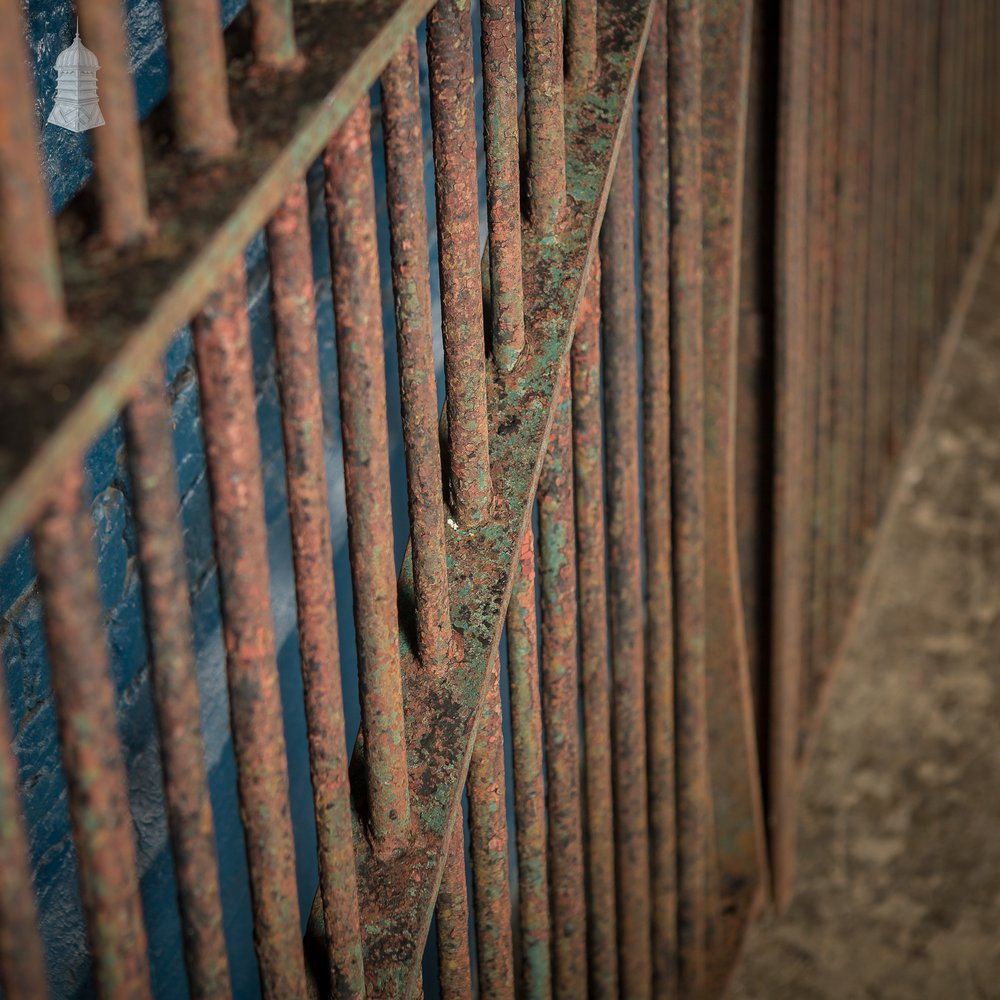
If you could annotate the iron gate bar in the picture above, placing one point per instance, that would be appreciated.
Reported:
(126, 307)
(34, 317)
(560, 700)
(174, 677)
(695, 860)
(225, 372)
(732, 743)
(415, 349)
(452, 910)
(97, 786)
(625, 597)
(440, 711)
(588, 496)
(654, 244)
(294, 313)
(535, 939)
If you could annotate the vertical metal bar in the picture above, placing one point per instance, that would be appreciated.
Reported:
(175, 688)
(560, 686)
(503, 184)
(694, 804)
(654, 239)
(488, 838)
(199, 86)
(34, 317)
(22, 960)
(274, 34)
(449, 61)
(350, 199)
(535, 978)
(790, 419)
(581, 41)
(588, 496)
(232, 446)
(118, 161)
(452, 909)
(90, 746)
(404, 155)
(543, 109)
(293, 307)
(625, 595)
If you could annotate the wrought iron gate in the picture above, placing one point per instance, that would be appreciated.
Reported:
(677, 386)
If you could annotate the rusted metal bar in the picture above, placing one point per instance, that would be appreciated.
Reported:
(22, 960)
(415, 345)
(350, 200)
(732, 742)
(588, 496)
(199, 92)
(118, 160)
(790, 421)
(503, 182)
(625, 581)
(397, 900)
(560, 687)
(488, 840)
(293, 308)
(232, 447)
(175, 688)
(453, 922)
(132, 303)
(535, 938)
(654, 237)
(274, 34)
(581, 41)
(543, 109)
(449, 62)
(89, 743)
(695, 853)
(31, 296)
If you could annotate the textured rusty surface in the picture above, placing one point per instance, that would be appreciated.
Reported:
(274, 34)
(125, 307)
(406, 199)
(543, 111)
(625, 596)
(22, 961)
(293, 308)
(560, 697)
(588, 498)
(503, 180)
(534, 922)
(232, 447)
(34, 318)
(199, 90)
(488, 843)
(397, 897)
(790, 420)
(90, 746)
(350, 200)
(117, 146)
(175, 688)
(452, 909)
(654, 245)
(732, 743)
(695, 852)
(581, 41)
(450, 72)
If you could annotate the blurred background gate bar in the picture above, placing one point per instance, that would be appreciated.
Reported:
(685, 267)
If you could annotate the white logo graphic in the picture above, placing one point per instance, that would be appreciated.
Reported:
(76, 106)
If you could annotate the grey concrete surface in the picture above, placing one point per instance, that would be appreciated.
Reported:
(898, 891)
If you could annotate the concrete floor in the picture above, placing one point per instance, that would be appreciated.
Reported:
(898, 891)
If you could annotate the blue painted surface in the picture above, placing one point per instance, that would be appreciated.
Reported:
(67, 167)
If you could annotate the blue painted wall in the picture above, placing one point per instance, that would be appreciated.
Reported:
(67, 167)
